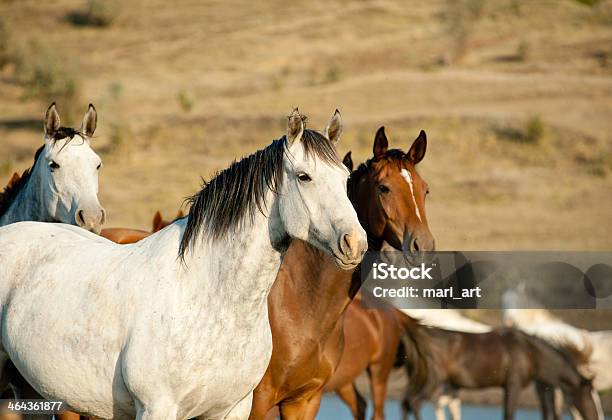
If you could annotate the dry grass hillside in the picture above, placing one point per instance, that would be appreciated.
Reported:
(515, 96)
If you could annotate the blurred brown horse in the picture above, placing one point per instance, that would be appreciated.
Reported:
(308, 300)
(440, 361)
(129, 236)
(372, 337)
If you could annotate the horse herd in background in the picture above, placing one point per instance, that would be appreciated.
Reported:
(251, 302)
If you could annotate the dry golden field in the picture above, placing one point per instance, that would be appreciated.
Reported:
(515, 96)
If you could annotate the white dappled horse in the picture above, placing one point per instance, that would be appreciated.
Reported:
(176, 325)
(62, 185)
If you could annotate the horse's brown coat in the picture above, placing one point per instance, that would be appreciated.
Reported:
(308, 301)
(507, 358)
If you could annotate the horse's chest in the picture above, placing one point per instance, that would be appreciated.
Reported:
(221, 367)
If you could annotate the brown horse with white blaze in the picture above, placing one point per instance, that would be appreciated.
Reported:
(372, 336)
(307, 304)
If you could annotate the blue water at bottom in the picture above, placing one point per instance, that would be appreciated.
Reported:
(334, 409)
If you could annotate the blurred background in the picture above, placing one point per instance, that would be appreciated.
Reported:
(515, 96)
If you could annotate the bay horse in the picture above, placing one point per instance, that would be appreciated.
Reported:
(129, 236)
(372, 336)
(308, 300)
(175, 325)
(439, 361)
(62, 184)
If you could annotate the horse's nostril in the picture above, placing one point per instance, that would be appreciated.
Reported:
(80, 216)
(349, 244)
(347, 241)
(415, 245)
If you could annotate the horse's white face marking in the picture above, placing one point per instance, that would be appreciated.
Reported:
(68, 173)
(408, 178)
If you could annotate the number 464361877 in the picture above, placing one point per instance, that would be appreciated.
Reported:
(32, 406)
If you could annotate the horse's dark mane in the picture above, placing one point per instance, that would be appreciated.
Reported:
(239, 191)
(11, 191)
(571, 356)
(66, 132)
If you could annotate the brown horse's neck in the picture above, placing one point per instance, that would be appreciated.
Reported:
(313, 287)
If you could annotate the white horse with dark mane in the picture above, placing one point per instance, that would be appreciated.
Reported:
(176, 325)
(62, 185)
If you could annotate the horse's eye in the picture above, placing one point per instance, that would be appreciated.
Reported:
(427, 191)
(99, 166)
(383, 188)
(304, 177)
(53, 165)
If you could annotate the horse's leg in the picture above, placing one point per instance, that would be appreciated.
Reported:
(512, 390)
(159, 410)
(454, 407)
(241, 410)
(406, 408)
(28, 392)
(379, 376)
(67, 415)
(348, 393)
(439, 407)
(5, 378)
(546, 398)
(263, 401)
(303, 409)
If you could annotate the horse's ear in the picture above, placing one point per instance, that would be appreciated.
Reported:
(295, 127)
(418, 148)
(157, 219)
(90, 121)
(334, 127)
(348, 161)
(52, 120)
(381, 144)
(180, 214)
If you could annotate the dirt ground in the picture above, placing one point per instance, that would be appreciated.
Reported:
(515, 97)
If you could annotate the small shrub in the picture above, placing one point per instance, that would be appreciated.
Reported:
(523, 51)
(185, 100)
(115, 90)
(534, 130)
(48, 78)
(6, 53)
(119, 135)
(99, 13)
(587, 2)
(461, 16)
(333, 74)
